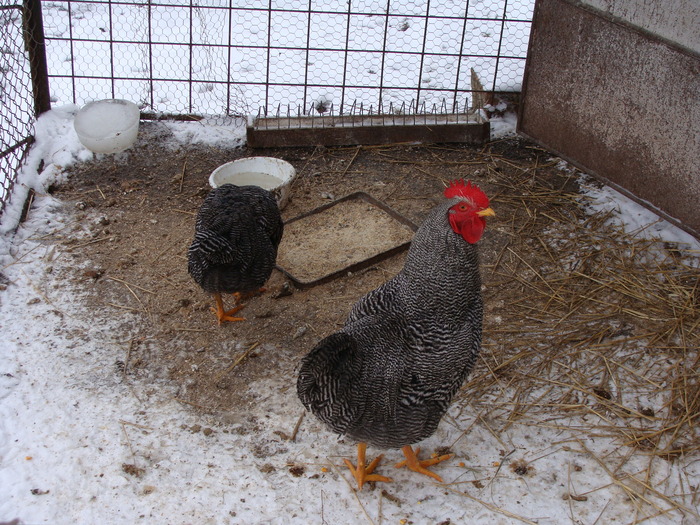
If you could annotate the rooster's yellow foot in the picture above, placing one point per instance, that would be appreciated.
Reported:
(363, 472)
(416, 465)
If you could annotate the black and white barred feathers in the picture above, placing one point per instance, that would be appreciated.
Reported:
(237, 233)
(389, 375)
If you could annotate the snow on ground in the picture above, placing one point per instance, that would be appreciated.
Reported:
(307, 46)
(74, 436)
(636, 218)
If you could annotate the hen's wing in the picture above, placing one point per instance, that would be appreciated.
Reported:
(412, 367)
(229, 205)
(383, 300)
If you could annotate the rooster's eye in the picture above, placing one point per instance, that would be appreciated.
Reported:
(462, 207)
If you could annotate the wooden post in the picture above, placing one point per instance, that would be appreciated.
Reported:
(34, 42)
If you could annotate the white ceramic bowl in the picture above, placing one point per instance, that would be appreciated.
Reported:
(275, 175)
(107, 126)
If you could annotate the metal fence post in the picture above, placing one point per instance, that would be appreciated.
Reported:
(34, 42)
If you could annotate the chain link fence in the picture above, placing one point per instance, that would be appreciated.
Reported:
(16, 99)
(183, 58)
(240, 57)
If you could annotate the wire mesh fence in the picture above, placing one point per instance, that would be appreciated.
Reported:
(240, 57)
(180, 58)
(16, 99)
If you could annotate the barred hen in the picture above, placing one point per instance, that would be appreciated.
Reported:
(389, 375)
(237, 233)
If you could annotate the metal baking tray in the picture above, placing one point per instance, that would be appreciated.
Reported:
(313, 239)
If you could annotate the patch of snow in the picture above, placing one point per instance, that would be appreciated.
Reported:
(211, 131)
(634, 217)
(504, 125)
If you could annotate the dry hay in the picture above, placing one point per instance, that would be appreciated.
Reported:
(590, 329)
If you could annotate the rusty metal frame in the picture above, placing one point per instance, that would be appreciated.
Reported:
(365, 263)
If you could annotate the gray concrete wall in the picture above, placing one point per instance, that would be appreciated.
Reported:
(617, 102)
(677, 21)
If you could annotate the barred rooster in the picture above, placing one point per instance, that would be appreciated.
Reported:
(389, 375)
(237, 233)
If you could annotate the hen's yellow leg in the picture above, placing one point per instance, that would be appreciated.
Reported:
(416, 465)
(363, 472)
(245, 296)
(226, 315)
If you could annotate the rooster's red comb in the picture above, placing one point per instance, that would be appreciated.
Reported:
(468, 190)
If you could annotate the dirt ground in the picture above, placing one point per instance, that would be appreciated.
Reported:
(136, 216)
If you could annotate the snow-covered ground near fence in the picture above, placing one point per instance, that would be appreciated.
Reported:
(73, 434)
(314, 50)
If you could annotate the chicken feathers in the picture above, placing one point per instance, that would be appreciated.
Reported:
(237, 233)
(389, 375)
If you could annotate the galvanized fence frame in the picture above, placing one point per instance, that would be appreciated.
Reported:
(193, 58)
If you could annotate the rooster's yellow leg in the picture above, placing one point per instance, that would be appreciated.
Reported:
(226, 315)
(363, 472)
(416, 465)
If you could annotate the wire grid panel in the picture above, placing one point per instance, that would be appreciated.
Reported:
(16, 100)
(233, 57)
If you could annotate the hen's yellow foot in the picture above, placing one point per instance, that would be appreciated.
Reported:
(417, 465)
(363, 472)
(226, 315)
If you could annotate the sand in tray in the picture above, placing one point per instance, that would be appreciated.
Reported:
(340, 236)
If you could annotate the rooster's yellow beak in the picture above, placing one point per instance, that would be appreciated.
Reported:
(488, 212)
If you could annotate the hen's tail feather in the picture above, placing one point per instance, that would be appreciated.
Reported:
(328, 379)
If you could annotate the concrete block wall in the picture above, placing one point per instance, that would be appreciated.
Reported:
(614, 87)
